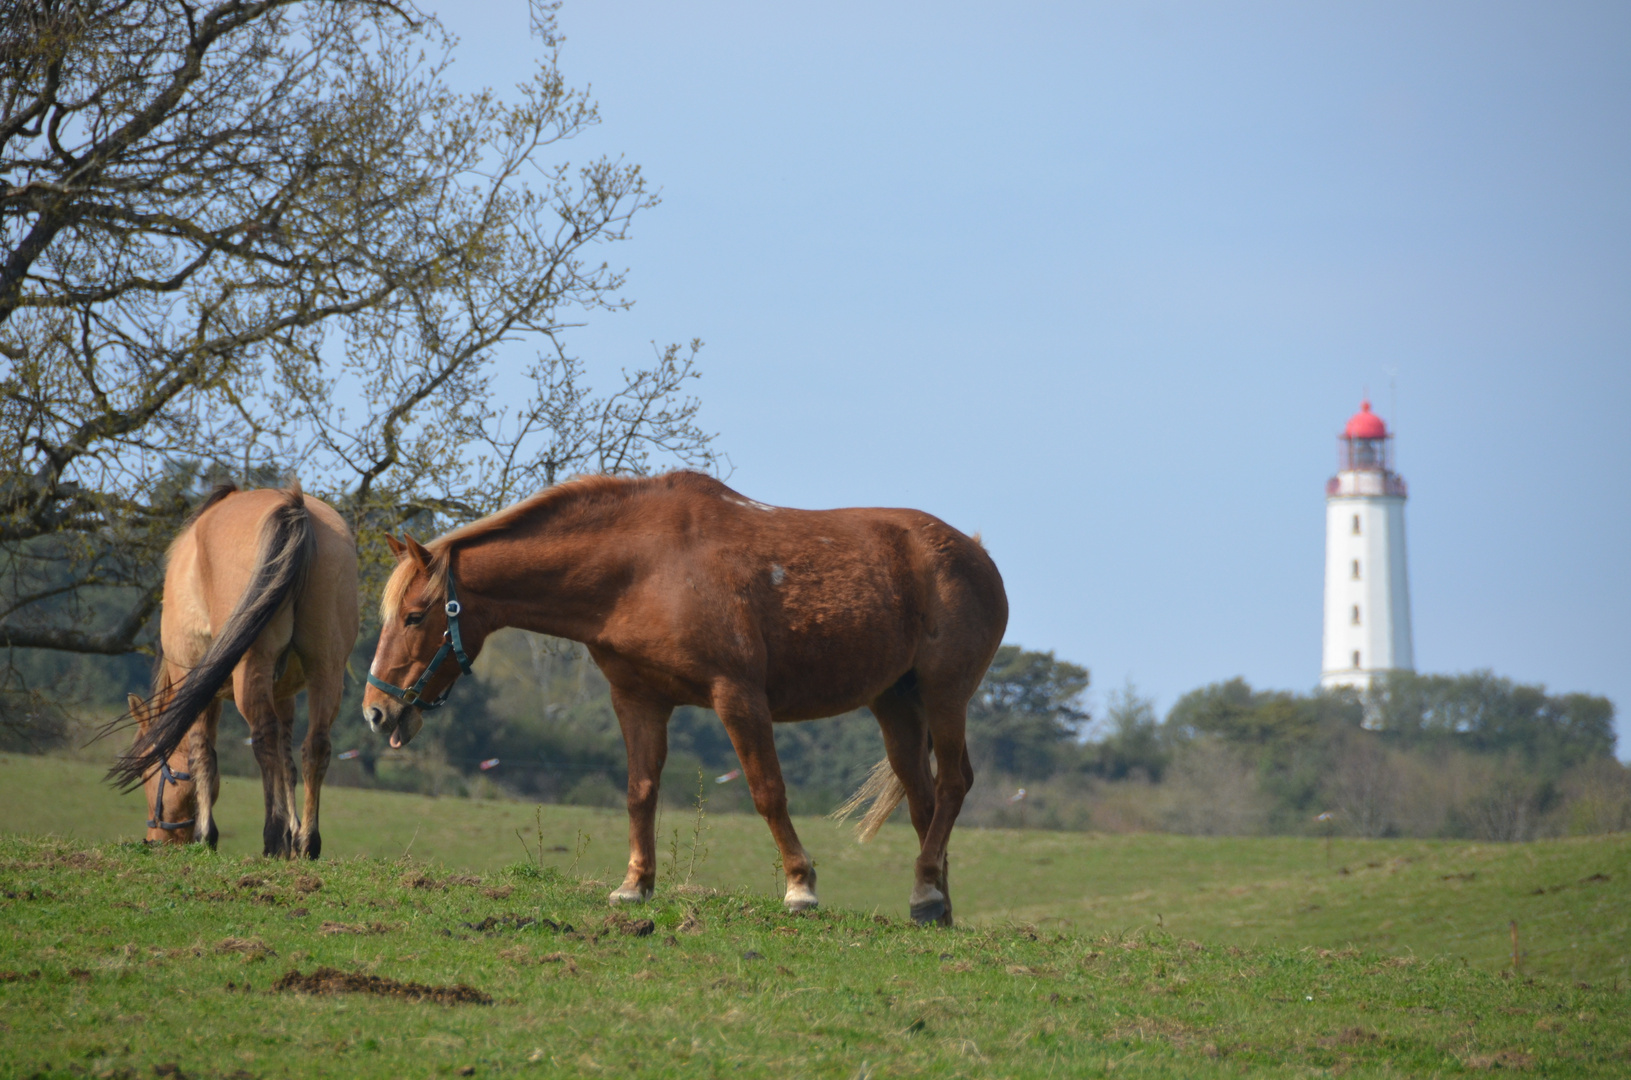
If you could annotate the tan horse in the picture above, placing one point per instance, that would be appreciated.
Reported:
(686, 593)
(172, 795)
(260, 602)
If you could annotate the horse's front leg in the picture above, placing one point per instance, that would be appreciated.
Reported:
(201, 762)
(746, 715)
(645, 736)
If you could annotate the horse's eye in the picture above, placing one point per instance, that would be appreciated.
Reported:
(414, 618)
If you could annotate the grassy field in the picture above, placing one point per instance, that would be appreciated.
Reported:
(126, 961)
(1570, 898)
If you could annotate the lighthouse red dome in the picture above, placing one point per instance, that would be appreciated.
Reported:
(1365, 424)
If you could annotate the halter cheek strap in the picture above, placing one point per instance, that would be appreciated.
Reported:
(157, 820)
(452, 646)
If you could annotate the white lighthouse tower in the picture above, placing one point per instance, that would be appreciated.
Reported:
(1367, 591)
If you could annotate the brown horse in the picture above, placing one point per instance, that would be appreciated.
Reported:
(260, 589)
(686, 593)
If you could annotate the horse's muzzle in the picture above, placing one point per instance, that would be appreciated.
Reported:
(401, 723)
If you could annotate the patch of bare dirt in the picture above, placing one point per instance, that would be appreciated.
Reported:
(464, 879)
(353, 928)
(1505, 1059)
(307, 883)
(420, 881)
(520, 955)
(327, 980)
(498, 892)
(619, 923)
(248, 948)
(26, 894)
(494, 923)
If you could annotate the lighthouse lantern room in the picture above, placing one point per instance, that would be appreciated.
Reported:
(1367, 590)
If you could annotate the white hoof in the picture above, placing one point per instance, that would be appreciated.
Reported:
(800, 898)
(629, 894)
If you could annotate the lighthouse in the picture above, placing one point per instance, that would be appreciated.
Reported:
(1367, 590)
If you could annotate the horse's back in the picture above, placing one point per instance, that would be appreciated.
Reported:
(846, 601)
(213, 562)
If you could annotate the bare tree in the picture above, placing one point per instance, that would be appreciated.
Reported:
(246, 237)
(1365, 784)
(1214, 791)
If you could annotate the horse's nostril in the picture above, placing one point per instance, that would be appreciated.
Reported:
(373, 714)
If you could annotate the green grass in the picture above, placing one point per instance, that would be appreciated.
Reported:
(125, 961)
(1571, 898)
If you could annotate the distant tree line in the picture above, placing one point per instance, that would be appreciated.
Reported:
(1471, 755)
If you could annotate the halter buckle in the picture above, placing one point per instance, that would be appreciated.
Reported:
(453, 609)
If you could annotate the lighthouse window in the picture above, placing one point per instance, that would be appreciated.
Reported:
(1356, 569)
(1356, 658)
(1356, 619)
(1356, 524)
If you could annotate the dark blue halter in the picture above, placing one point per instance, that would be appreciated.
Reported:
(452, 645)
(157, 820)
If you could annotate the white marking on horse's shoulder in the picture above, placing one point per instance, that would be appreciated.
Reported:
(751, 504)
(777, 574)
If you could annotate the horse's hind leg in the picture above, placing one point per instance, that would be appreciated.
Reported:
(906, 741)
(645, 736)
(323, 693)
(947, 718)
(252, 690)
(202, 763)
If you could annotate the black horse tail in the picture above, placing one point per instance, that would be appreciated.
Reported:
(287, 546)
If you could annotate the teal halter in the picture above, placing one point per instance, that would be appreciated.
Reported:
(452, 645)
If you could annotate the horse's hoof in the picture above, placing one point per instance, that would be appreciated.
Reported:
(629, 895)
(800, 898)
(929, 905)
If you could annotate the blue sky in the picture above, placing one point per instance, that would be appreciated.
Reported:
(1104, 281)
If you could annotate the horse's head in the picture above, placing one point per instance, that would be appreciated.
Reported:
(172, 800)
(422, 643)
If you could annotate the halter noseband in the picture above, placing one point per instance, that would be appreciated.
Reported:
(157, 820)
(452, 645)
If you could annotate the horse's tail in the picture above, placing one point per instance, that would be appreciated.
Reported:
(287, 546)
(883, 790)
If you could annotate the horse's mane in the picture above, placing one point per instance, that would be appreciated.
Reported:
(518, 514)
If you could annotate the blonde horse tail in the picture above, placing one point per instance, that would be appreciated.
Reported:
(883, 790)
(287, 545)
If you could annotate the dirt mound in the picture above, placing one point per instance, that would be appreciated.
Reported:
(327, 980)
(619, 923)
(329, 927)
(511, 921)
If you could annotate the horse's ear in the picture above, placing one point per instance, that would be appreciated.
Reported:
(138, 710)
(398, 548)
(416, 551)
